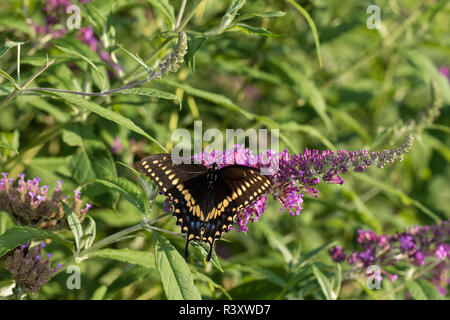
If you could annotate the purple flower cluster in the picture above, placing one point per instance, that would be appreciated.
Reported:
(28, 268)
(55, 9)
(29, 204)
(294, 175)
(444, 71)
(417, 246)
(87, 36)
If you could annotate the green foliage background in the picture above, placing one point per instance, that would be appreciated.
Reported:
(261, 69)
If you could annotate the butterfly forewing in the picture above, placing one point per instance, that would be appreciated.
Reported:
(166, 174)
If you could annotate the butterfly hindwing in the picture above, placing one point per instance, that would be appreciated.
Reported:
(245, 185)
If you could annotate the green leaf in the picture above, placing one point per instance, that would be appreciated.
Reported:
(72, 138)
(99, 293)
(176, 277)
(89, 233)
(193, 45)
(203, 248)
(268, 14)
(416, 290)
(136, 58)
(229, 16)
(4, 145)
(147, 186)
(308, 129)
(166, 9)
(126, 188)
(17, 236)
(257, 289)
(251, 30)
(7, 76)
(324, 283)
(5, 46)
(92, 160)
(149, 92)
(128, 277)
(304, 87)
(314, 253)
(264, 273)
(43, 105)
(76, 54)
(210, 96)
(141, 258)
(312, 25)
(427, 70)
(429, 289)
(75, 226)
(394, 191)
(104, 113)
(203, 277)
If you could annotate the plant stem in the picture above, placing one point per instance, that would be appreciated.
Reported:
(180, 15)
(103, 93)
(84, 254)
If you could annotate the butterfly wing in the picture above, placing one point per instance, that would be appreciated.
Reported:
(185, 186)
(167, 175)
(245, 184)
(204, 212)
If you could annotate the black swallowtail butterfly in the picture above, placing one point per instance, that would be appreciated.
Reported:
(205, 200)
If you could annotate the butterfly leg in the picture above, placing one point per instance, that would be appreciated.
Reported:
(186, 249)
(211, 246)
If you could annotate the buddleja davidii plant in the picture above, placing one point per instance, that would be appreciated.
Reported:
(24, 260)
(297, 174)
(415, 260)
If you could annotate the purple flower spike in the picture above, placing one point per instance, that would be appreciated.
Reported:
(337, 254)
(443, 251)
(417, 246)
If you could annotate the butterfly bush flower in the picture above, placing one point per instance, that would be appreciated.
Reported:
(298, 174)
(30, 204)
(55, 26)
(417, 246)
(28, 268)
(444, 71)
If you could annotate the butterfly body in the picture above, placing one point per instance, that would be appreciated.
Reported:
(205, 200)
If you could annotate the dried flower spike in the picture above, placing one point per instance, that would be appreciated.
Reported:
(30, 204)
(28, 268)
